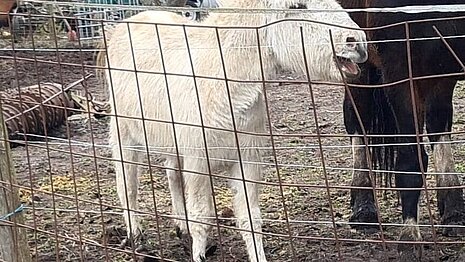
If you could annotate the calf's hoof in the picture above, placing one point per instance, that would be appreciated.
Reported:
(210, 251)
(186, 239)
(136, 241)
(179, 232)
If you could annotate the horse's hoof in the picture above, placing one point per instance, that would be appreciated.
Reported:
(455, 221)
(364, 216)
(410, 252)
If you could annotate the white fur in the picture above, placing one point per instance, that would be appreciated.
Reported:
(281, 50)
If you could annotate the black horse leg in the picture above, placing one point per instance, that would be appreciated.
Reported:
(408, 167)
(407, 161)
(362, 200)
(439, 113)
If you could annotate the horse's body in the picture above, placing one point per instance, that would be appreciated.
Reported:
(390, 110)
(212, 102)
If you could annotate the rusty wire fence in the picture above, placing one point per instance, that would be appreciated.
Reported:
(63, 22)
(57, 111)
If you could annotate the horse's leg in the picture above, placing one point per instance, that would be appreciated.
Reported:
(409, 160)
(362, 200)
(246, 200)
(175, 181)
(439, 113)
(199, 203)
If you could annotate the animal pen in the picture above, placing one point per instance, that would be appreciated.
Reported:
(59, 164)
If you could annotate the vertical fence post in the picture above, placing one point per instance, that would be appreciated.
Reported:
(13, 239)
(51, 21)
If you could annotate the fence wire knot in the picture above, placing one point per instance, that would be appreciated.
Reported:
(16, 211)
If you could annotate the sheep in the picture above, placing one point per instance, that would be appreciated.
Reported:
(151, 78)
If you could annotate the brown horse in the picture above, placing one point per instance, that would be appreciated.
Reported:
(405, 109)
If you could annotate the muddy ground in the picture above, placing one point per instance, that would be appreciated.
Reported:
(71, 200)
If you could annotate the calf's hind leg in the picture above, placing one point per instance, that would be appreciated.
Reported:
(199, 203)
(246, 200)
(175, 182)
(127, 184)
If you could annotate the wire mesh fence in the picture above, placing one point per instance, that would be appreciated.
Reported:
(236, 120)
(66, 20)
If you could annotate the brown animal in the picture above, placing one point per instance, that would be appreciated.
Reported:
(5, 7)
(390, 110)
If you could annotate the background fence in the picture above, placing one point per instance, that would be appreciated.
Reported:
(49, 18)
(66, 173)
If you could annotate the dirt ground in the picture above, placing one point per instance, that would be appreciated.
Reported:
(80, 221)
